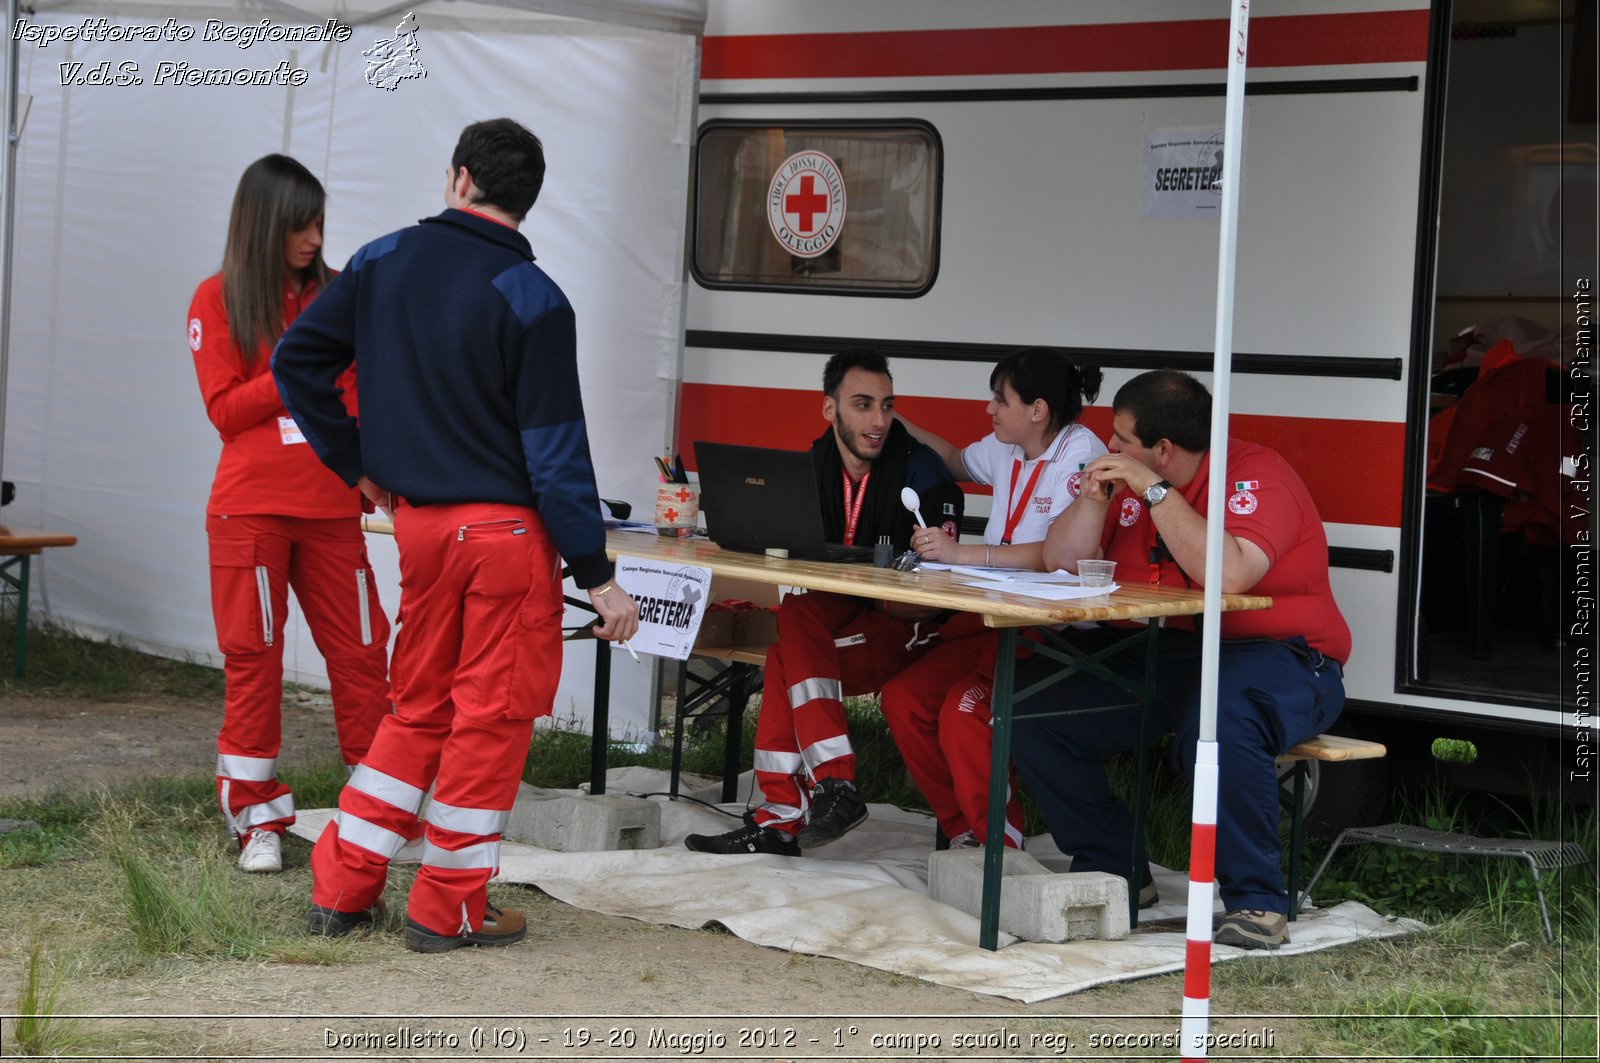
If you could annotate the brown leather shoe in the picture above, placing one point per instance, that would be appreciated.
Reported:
(501, 926)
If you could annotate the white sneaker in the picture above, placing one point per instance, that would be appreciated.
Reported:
(966, 840)
(263, 852)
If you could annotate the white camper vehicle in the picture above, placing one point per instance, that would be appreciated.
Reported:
(947, 181)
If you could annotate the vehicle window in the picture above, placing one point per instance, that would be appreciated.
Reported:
(844, 208)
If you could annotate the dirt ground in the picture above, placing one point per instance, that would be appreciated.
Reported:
(604, 985)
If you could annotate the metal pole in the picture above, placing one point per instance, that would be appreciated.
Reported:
(8, 209)
(1197, 974)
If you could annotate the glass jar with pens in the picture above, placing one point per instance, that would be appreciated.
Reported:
(677, 500)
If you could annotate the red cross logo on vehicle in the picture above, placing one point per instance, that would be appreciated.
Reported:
(806, 203)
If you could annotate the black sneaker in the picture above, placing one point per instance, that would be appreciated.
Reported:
(332, 923)
(500, 926)
(749, 838)
(836, 810)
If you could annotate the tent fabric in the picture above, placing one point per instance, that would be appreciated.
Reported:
(123, 193)
(667, 16)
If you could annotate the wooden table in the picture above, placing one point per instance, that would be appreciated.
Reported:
(19, 546)
(944, 590)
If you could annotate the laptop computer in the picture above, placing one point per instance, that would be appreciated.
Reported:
(756, 499)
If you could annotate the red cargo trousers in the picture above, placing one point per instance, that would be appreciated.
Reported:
(938, 712)
(476, 662)
(255, 559)
(829, 646)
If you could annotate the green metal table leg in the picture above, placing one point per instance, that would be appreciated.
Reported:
(1299, 772)
(20, 583)
(999, 776)
(1141, 798)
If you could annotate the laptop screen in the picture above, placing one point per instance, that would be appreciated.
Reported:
(757, 498)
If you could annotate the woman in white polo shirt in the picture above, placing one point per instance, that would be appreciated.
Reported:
(938, 709)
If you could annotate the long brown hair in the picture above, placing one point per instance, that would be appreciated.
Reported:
(276, 196)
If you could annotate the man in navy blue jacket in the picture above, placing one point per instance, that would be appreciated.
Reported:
(472, 423)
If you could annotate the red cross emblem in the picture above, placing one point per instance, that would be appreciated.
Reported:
(806, 203)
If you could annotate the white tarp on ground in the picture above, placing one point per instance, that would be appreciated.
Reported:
(865, 899)
(123, 194)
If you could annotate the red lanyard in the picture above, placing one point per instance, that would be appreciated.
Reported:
(1014, 516)
(852, 506)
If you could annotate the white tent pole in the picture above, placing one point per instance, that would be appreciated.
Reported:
(8, 210)
(1197, 975)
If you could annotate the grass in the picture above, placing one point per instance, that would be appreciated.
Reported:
(62, 664)
(1506, 997)
(41, 1027)
(151, 859)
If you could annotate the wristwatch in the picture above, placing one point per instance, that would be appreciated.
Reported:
(1156, 492)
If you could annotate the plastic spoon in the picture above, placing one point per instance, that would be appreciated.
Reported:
(909, 499)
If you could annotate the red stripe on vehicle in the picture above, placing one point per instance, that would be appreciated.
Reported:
(1200, 44)
(1352, 468)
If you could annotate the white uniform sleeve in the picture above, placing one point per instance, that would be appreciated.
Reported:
(984, 458)
(1083, 446)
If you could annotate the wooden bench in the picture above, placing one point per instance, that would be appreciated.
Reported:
(19, 546)
(1328, 749)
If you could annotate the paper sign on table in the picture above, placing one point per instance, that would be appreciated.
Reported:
(672, 603)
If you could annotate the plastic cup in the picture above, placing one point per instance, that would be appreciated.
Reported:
(1096, 573)
(677, 509)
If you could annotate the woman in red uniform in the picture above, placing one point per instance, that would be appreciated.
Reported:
(277, 516)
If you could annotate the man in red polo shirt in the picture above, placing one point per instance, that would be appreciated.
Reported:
(1281, 675)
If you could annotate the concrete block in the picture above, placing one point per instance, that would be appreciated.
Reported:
(1035, 904)
(586, 824)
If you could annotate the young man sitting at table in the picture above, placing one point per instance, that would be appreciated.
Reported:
(1281, 669)
(833, 645)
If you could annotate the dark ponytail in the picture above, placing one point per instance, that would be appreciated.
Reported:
(1047, 373)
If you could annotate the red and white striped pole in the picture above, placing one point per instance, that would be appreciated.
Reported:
(1197, 928)
(1203, 836)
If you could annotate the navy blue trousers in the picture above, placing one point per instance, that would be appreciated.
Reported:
(1270, 697)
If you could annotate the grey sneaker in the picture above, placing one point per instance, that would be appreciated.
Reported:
(836, 810)
(1149, 896)
(1252, 928)
(966, 840)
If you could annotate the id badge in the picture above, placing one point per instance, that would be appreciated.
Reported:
(289, 432)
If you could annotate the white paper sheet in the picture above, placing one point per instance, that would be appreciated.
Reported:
(1056, 592)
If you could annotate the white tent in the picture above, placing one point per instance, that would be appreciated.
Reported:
(121, 202)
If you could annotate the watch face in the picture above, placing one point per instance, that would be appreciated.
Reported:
(1155, 493)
